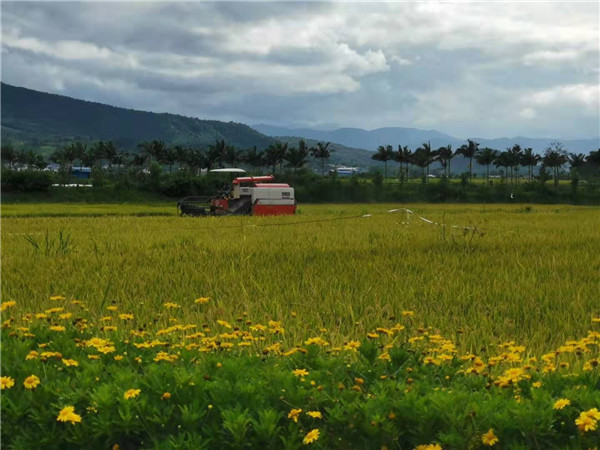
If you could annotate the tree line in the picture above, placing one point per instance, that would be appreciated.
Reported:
(196, 159)
(555, 157)
(282, 154)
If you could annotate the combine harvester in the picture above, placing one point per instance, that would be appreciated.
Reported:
(256, 196)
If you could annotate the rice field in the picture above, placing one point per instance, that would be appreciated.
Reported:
(345, 326)
(523, 273)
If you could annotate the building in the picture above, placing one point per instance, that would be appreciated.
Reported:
(83, 173)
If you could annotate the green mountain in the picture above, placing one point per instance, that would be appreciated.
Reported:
(41, 121)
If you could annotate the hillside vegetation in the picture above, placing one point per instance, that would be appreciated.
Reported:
(39, 120)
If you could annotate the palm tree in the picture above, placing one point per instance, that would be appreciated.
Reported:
(196, 159)
(423, 157)
(181, 155)
(593, 158)
(281, 149)
(254, 158)
(529, 159)
(515, 158)
(297, 157)
(110, 151)
(214, 156)
(139, 160)
(169, 157)
(403, 156)
(468, 151)
(323, 152)
(384, 154)
(231, 156)
(271, 156)
(154, 149)
(70, 154)
(90, 156)
(39, 162)
(555, 157)
(576, 160)
(9, 155)
(503, 160)
(120, 159)
(485, 157)
(445, 155)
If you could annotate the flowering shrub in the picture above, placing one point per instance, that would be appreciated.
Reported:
(72, 377)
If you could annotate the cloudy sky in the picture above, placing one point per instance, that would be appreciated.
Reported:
(477, 69)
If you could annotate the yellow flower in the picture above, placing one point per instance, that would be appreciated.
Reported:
(585, 422)
(57, 297)
(6, 383)
(294, 413)
(112, 308)
(5, 305)
(592, 413)
(408, 313)
(57, 328)
(315, 414)
(536, 384)
(165, 396)
(169, 305)
(65, 316)
(67, 414)
(352, 345)
(489, 438)
(300, 372)
(31, 382)
(224, 323)
(429, 447)
(126, 316)
(311, 436)
(202, 300)
(561, 403)
(131, 393)
(70, 362)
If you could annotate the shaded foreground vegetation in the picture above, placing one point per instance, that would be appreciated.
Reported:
(389, 330)
(77, 377)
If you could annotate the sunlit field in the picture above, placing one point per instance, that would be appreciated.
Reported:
(452, 325)
(523, 273)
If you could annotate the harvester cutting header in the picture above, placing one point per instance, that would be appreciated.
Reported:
(256, 196)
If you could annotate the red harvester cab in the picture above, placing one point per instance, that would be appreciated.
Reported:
(259, 197)
(249, 196)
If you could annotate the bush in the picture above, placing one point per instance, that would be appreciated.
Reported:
(25, 180)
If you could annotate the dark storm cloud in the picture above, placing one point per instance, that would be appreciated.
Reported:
(466, 69)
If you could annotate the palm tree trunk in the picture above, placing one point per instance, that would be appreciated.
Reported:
(471, 170)
(488, 175)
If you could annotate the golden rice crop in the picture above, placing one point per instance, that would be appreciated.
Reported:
(525, 274)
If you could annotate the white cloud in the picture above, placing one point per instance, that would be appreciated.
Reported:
(551, 56)
(586, 96)
(528, 113)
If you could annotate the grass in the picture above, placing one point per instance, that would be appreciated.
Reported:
(527, 274)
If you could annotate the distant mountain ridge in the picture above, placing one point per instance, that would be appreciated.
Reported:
(413, 138)
(37, 118)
